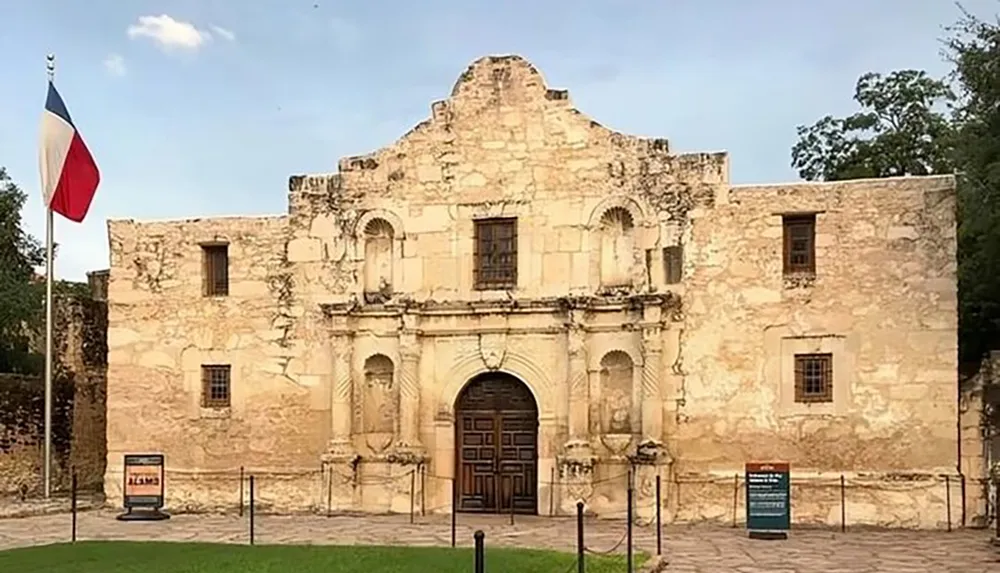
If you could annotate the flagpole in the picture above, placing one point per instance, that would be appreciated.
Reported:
(50, 66)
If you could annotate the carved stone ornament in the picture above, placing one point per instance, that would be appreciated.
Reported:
(493, 349)
(617, 444)
(576, 470)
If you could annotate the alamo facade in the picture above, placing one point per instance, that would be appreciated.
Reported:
(522, 302)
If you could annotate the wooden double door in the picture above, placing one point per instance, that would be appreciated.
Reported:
(496, 427)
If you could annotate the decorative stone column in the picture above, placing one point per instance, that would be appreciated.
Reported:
(576, 464)
(340, 462)
(652, 397)
(340, 447)
(408, 444)
(578, 384)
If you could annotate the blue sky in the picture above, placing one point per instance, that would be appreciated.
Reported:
(205, 107)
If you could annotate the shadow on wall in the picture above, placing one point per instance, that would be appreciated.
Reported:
(79, 385)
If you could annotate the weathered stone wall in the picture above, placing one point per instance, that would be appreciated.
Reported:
(977, 438)
(78, 421)
(883, 302)
(709, 386)
(161, 330)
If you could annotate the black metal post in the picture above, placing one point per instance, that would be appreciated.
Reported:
(659, 521)
(413, 485)
(72, 501)
(510, 499)
(423, 489)
(454, 510)
(552, 491)
(628, 526)
(480, 558)
(241, 491)
(996, 507)
(251, 508)
(961, 476)
(736, 496)
(947, 498)
(843, 504)
(329, 490)
(579, 537)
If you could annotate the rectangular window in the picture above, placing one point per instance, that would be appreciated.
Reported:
(215, 262)
(215, 386)
(800, 244)
(813, 378)
(495, 253)
(673, 264)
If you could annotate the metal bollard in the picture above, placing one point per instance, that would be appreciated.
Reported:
(480, 558)
(579, 537)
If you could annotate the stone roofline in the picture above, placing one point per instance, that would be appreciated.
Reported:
(481, 70)
(182, 220)
(318, 182)
(929, 182)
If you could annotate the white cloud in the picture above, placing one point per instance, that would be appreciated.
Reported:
(169, 33)
(224, 33)
(115, 65)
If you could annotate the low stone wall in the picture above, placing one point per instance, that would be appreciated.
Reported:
(910, 501)
(22, 425)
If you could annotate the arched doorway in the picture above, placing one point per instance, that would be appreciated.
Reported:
(496, 443)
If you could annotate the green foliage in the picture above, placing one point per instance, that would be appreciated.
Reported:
(22, 297)
(911, 124)
(974, 49)
(902, 129)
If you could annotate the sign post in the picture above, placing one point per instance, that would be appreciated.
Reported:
(769, 508)
(143, 488)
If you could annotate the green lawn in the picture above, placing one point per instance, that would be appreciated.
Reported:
(138, 557)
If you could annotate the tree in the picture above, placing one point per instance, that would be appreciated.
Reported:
(22, 296)
(902, 129)
(974, 49)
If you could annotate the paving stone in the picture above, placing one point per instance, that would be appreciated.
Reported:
(698, 549)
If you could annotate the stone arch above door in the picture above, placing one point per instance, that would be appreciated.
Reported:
(523, 368)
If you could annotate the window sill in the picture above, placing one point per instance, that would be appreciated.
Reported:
(799, 280)
(210, 413)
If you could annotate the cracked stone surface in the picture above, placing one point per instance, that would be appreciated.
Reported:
(699, 549)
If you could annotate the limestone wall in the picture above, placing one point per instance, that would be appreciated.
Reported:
(162, 330)
(883, 301)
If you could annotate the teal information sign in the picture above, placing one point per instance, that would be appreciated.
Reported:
(769, 497)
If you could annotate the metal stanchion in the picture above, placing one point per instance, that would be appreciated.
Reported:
(72, 508)
(579, 537)
(480, 557)
(251, 509)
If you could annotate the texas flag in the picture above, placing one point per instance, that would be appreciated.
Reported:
(69, 174)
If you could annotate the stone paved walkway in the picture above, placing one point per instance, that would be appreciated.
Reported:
(699, 549)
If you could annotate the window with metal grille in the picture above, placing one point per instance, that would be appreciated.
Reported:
(215, 386)
(673, 264)
(216, 269)
(495, 254)
(813, 378)
(800, 243)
